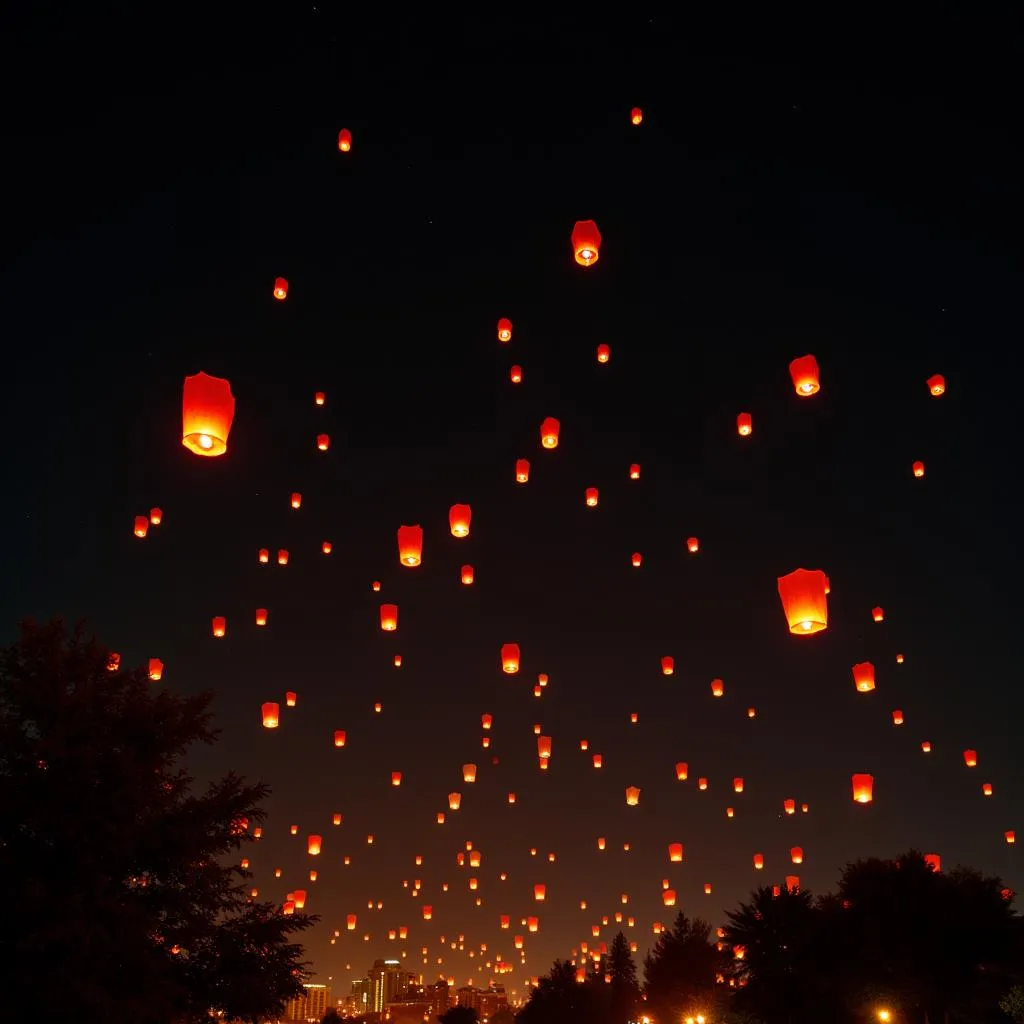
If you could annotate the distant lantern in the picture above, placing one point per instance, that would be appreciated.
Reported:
(877, 614)
(544, 746)
(692, 545)
(936, 385)
(737, 784)
(634, 471)
(516, 374)
(751, 712)
(261, 616)
(339, 737)
(717, 688)
(789, 805)
(510, 658)
(803, 600)
(344, 140)
(604, 353)
(323, 442)
(540, 892)
(220, 625)
(319, 398)
(899, 659)
(863, 788)
(636, 115)
(636, 559)
(375, 586)
(398, 661)
(428, 912)
(758, 861)
(934, 861)
(504, 329)
(926, 747)
(597, 760)
(486, 721)
(469, 772)
(864, 676)
(918, 468)
(632, 795)
(586, 242)
(396, 778)
(744, 424)
(792, 883)
(1010, 836)
(313, 844)
(682, 771)
(271, 715)
(511, 798)
(522, 470)
(207, 410)
(796, 854)
(296, 499)
(532, 924)
(290, 698)
(410, 545)
(668, 897)
(389, 617)
(702, 782)
(459, 517)
(326, 547)
(971, 758)
(549, 432)
(282, 556)
(350, 922)
(897, 717)
(280, 288)
(668, 665)
(590, 496)
(466, 574)
(141, 526)
(156, 516)
(804, 372)
(986, 789)
(156, 669)
(675, 852)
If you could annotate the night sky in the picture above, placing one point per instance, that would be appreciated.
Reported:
(846, 190)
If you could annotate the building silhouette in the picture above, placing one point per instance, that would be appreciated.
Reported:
(310, 1006)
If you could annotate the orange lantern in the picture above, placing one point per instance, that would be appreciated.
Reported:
(469, 773)
(339, 737)
(156, 669)
(486, 721)
(207, 410)
(878, 614)
(410, 545)
(604, 353)
(350, 922)
(668, 665)
(789, 805)
(803, 600)
(864, 676)
(326, 547)
(220, 625)
(744, 424)
(793, 883)
(692, 545)
(549, 432)
(971, 758)
(271, 715)
(296, 499)
(389, 617)
(936, 385)
(532, 924)
(398, 661)
(926, 747)
(591, 497)
(510, 658)
(290, 698)
(264, 556)
(539, 893)
(458, 520)
(261, 616)
(313, 844)
(682, 771)
(396, 778)
(511, 798)
(586, 243)
(634, 471)
(636, 115)
(737, 784)
(319, 398)
(758, 861)
(918, 469)
(675, 852)
(897, 717)
(796, 854)
(636, 559)
(863, 788)
(428, 912)
(934, 861)
(1010, 836)
(344, 140)
(597, 760)
(141, 527)
(323, 441)
(522, 470)
(282, 556)
(702, 782)
(504, 329)
(632, 795)
(336, 818)
(986, 788)
(543, 747)
(516, 374)
(804, 372)
(717, 687)
(156, 516)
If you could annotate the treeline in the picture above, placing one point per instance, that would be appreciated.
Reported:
(897, 942)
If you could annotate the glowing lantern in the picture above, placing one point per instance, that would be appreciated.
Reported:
(398, 661)
(737, 785)
(469, 773)
(543, 746)
(539, 892)
(632, 795)
(863, 788)
(918, 468)
(336, 818)
(926, 747)
(751, 712)
(668, 665)
(350, 922)
(156, 516)
(375, 586)
(793, 883)
(864, 676)
(396, 778)
(344, 140)
(156, 669)
(549, 432)
(675, 852)
(936, 384)
(717, 687)
(486, 721)
(522, 470)
(454, 801)
(702, 782)
(878, 614)
(220, 625)
(897, 717)
(604, 353)
(313, 844)
(510, 658)
(636, 559)
(207, 409)
(692, 545)
(323, 441)
(804, 372)
(261, 616)
(504, 329)
(389, 617)
(586, 242)
(899, 659)
(511, 798)
(758, 861)
(410, 545)
(339, 737)
(264, 556)
(319, 398)
(636, 115)
(971, 758)
(597, 760)
(290, 698)
(458, 520)
(803, 600)
(282, 556)
(271, 715)
(288, 907)
(516, 374)
(986, 788)
(280, 289)
(326, 547)
(1010, 836)
(141, 527)
(668, 897)
(634, 471)
(744, 424)
(591, 497)
(296, 499)
(682, 771)
(796, 855)
(789, 805)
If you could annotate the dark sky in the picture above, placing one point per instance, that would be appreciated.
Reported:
(846, 189)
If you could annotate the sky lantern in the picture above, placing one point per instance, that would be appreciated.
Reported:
(668, 897)
(516, 374)
(926, 747)
(877, 614)
(504, 329)
(510, 658)
(792, 883)
(899, 659)
(350, 922)
(326, 547)
(675, 852)
(410, 545)
(336, 818)
(323, 441)
(918, 468)
(544, 746)
(604, 353)
(692, 545)
(636, 559)
(986, 789)
(389, 617)
(207, 410)
(261, 616)
(590, 497)
(271, 715)
(796, 854)
(282, 556)
(469, 773)
(540, 892)
(934, 861)
(863, 788)
(156, 516)
(758, 861)
(549, 432)
(632, 795)
(486, 721)
(296, 499)
(396, 778)
(141, 527)
(971, 758)
(597, 760)
(634, 471)
(744, 424)
(1010, 836)
(290, 698)
(636, 116)
(804, 372)
(398, 661)
(789, 805)
(522, 470)
(339, 737)
(375, 586)
(156, 669)
(682, 771)
(319, 398)
(532, 924)
(458, 520)
(751, 712)
(717, 687)
(936, 385)
(586, 242)
(737, 784)
(219, 625)
(864, 676)
(668, 665)
(702, 782)
(803, 601)
(280, 289)
(263, 555)
(344, 140)
(313, 845)
(897, 717)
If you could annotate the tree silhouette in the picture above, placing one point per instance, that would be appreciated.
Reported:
(559, 997)
(623, 988)
(331, 1016)
(115, 894)
(680, 971)
(1012, 1004)
(459, 1015)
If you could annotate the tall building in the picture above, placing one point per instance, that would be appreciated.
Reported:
(437, 996)
(389, 983)
(310, 1006)
(486, 1001)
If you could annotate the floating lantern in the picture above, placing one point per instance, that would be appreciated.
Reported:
(668, 897)
(632, 795)
(863, 788)
(156, 669)
(458, 520)
(804, 372)
(934, 861)
(326, 547)
(668, 665)
(516, 374)
(634, 471)
(469, 773)
(313, 844)
(675, 852)
(744, 424)
(540, 892)
(296, 499)
(636, 558)
(486, 721)
(323, 442)
(549, 432)
(207, 410)
(510, 658)
(280, 289)
(271, 715)
(918, 469)
(936, 385)
(789, 805)
(864, 676)
(877, 614)
(597, 760)
(590, 497)
(466, 574)
(897, 717)
(339, 737)
(410, 545)
(692, 545)
(986, 789)
(758, 861)
(796, 854)
(141, 527)
(261, 616)
(717, 688)
(682, 771)
(344, 140)
(636, 115)
(586, 242)
(504, 329)
(319, 398)
(156, 516)
(604, 353)
(971, 758)
(522, 470)
(543, 747)
(926, 747)
(282, 556)
(290, 698)
(737, 784)
(1010, 836)
(220, 625)
(803, 600)
(389, 617)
